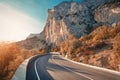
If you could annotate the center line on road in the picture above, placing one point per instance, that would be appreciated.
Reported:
(71, 70)
(36, 69)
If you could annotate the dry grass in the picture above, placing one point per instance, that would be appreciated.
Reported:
(11, 56)
(115, 57)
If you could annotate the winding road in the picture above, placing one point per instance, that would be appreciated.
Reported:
(55, 67)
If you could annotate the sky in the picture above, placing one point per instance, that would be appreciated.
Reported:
(19, 18)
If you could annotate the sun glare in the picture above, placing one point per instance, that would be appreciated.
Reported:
(15, 25)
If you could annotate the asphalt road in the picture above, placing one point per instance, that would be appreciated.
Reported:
(54, 67)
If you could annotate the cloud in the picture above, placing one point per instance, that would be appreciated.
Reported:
(16, 25)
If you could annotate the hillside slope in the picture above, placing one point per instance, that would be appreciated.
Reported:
(100, 48)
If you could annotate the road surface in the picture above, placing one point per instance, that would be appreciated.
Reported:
(54, 67)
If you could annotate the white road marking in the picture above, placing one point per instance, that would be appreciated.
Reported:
(36, 69)
(72, 70)
(93, 67)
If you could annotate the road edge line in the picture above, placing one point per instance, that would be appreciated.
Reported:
(95, 67)
(35, 67)
(72, 71)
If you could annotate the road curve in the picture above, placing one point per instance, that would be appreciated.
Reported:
(54, 67)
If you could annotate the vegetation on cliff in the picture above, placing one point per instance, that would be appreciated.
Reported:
(100, 48)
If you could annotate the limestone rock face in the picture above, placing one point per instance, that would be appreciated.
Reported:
(71, 18)
(67, 19)
(108, 13)
(95, 3)
(76, 19)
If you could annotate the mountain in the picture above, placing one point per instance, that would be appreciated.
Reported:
(108, 14)
(74, 19)
(69, 19)
(85, 31)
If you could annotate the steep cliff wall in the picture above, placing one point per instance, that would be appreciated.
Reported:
(67, 19)
(108, 13)
(76, 19)
(72, 18)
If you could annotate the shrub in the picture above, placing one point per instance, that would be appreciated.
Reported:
(116, 44)
(99, 44)
(8, 54)
(11, 56)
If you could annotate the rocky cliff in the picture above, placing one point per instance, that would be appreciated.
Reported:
(108, 13)
(76, 19)
(72, 19)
